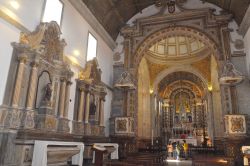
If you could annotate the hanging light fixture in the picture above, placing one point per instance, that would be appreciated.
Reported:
(230, 76)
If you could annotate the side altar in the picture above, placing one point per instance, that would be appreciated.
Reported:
(37, 97)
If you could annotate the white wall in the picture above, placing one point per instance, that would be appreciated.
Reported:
(28, 14)
(8, 34)
(75, 32)
(247, 50)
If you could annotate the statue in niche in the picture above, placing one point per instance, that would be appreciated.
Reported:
(92, 109)
(189, 119)
(48, 92)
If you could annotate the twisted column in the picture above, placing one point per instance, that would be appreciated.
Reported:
(66, 104)
(32, 86)
(81, 105)
(62, 97)
(87, 108)
(18, 83)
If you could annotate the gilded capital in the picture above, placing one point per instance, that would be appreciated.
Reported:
(81, 89)
(22, 59)
(34, 64)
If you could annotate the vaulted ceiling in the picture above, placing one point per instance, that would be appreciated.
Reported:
(113, 14)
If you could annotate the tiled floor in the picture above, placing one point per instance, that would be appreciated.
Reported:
(179, 163)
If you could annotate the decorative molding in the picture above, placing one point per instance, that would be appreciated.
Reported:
(94, 23)
(13, 22)
(245, 24)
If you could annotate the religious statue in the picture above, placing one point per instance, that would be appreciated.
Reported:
(92, 108)
(48, 92)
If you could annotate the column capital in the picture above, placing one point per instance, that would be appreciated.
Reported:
(34, 64)
(22, 58)
(62, 79)
(69, 82)
(81, 89)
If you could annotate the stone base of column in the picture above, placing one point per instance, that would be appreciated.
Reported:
(10, 118)
(46, 122)
(232, 148)
(93, 130)
(102, 130)
(45, 108)
(78, 128)
(63, 125)
(28, 121)
(87, 129)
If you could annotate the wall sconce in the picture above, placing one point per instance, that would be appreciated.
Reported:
(210, 87)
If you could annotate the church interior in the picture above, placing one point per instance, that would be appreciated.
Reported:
(124, 82)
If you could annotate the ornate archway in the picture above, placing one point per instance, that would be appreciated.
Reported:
(202, 26)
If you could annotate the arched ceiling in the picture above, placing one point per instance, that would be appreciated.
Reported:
(181, 80)
(113, 14)
(176, 46)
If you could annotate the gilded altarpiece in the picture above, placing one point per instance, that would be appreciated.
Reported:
(90, 98)
(37, 93)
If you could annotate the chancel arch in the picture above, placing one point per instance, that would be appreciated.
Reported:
(182, 62)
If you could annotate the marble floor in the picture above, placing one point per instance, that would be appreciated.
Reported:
(179, 163)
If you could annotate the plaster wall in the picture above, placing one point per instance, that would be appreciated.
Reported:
(8, 34)
(75, 31)
(243, 88)
(247, 50)
(29, 13)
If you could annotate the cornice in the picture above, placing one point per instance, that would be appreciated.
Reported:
(205, 14)
(93, 22)
(245, 24)
(13, 22)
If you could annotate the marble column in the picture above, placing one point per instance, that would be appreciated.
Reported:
(81, 105)
(87, 108)
(102, 113)
(66, 104)
(19, 80)
(62, 97)
(97, 109)
(32, 86)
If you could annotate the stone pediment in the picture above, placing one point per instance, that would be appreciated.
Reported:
(91, 73)
(45, 40)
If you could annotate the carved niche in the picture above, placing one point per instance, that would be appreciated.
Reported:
(38, 80)
(90, 98)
